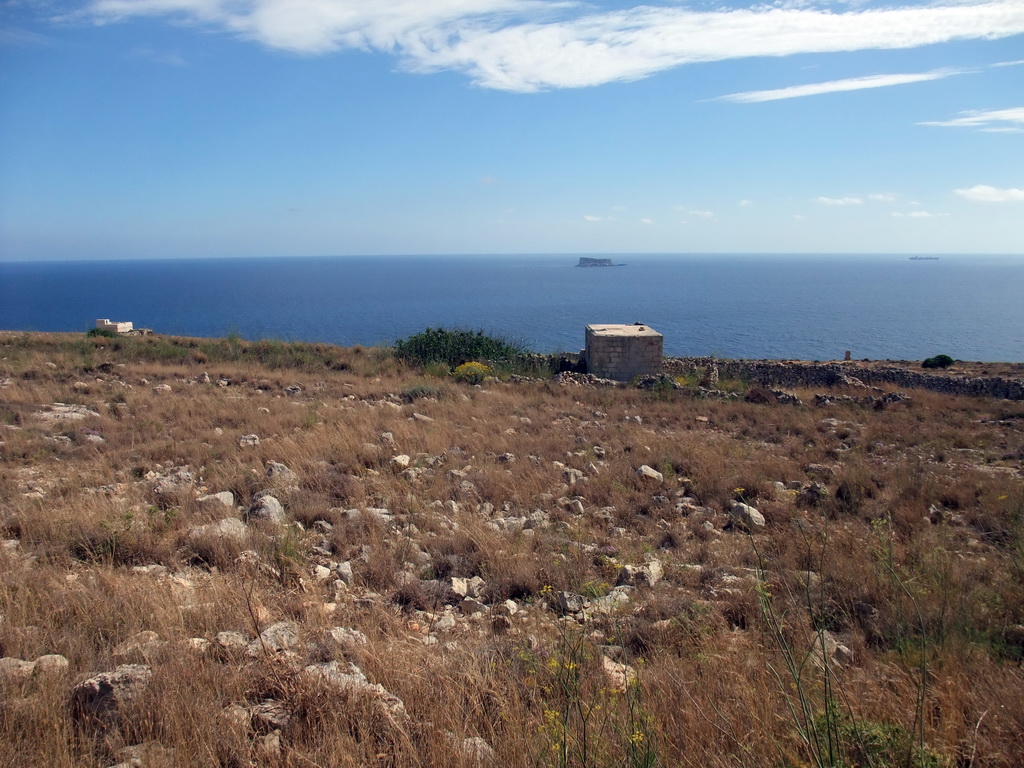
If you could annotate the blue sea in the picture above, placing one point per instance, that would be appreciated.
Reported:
(743, 306)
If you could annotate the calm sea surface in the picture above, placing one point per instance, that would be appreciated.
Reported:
(806, 307)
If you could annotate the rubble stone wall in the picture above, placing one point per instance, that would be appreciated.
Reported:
(799, 374)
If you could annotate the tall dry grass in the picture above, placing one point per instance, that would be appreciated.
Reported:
(912, 561)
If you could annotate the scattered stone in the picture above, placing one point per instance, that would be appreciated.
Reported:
(66, 412)
(140, 647)
(641, 575)
(619, 675)
(51, 665)
(476, 751)
(280, 475)
(177, 481)
(247, 441)
(266, 507)
(230, 529)
(746, 516)
(650, 474)
(812, 494)
(269, 715)
(217, 501)
(99, 700)
(567, 603)
(16, 670)
(231, 642)
(277, 638)
(401, 461)
(347, 637)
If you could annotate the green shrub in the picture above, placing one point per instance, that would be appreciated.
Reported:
(939, 361)
(106, 333)
(437, 345)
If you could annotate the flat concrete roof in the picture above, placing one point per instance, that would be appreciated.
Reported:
(622, 330)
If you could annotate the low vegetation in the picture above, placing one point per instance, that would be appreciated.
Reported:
(456, 347)
(304, 555)
(938, 361)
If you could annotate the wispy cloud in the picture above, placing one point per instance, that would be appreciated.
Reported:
(160, 57)
(529, 45)
(646, 221)
(15, 36)
(918, 215)
(882, 197)
(588, 217)
(983, 193)
(839, 200)
(837, 86)
(989, 120)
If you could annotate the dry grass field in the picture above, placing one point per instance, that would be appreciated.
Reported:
(220, 553)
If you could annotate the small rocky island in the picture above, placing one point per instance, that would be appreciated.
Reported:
(586, 261)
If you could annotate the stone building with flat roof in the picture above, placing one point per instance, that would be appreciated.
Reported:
(623, 352)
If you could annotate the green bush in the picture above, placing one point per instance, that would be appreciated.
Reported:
(939, 361)
(453, 348)
(106, 333)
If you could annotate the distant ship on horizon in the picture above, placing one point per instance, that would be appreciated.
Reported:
(924, 258)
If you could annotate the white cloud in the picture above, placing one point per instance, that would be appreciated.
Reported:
(839, 200)
(588, 217)
(983, 193)
(744, 203)
(529, 45)
(882, 198)
(989, 120)
(646, 221)
(918, 215)
(160, 57)
(703, 214)
(836, 86)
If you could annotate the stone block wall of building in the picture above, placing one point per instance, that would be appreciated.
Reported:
(623, 352)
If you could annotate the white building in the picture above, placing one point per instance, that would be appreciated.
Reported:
(111, 325)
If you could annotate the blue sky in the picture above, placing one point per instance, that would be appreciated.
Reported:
(191, 128)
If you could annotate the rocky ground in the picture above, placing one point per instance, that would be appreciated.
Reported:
(296, 555)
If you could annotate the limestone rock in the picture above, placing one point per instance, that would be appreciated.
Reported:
(51, 665)
(476, 751)
(247, 441)
(266, 507)
(641, 575)
(230, 529)
(746, 515)
(277, 638)
(15, 670)
(139, 647)
(347, 637)
(619, 675)
(269, 715)
(649, 474)
(280, 475)
(353, 682)
(812, 494)
(568, 602)
(217, 501)
(179, 480)
(100, 699)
